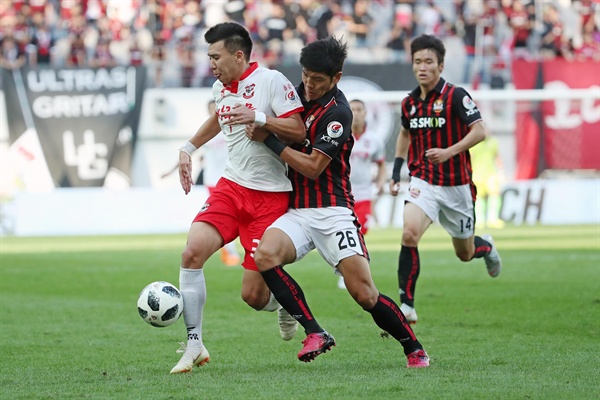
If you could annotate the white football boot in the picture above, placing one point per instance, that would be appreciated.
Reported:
(493, 262)
(410, 313)
(287, 324)
(193, 356)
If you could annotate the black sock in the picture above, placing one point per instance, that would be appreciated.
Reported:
(482, 247)
(291, 297)
(409, 266)
(388, 317)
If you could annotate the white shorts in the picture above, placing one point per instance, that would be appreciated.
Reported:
(333, 231)
(453, 205)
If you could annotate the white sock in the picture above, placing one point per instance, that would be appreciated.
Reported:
(193, 289)
(272, 305)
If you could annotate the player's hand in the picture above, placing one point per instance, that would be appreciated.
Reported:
(185, 171)
(256, 133)
(394, 187)
(238, 115)
(438, 156)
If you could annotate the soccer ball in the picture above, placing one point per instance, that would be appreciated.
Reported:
(160, 304)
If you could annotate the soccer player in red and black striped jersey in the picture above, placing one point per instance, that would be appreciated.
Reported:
(440, 123)
(321, 214)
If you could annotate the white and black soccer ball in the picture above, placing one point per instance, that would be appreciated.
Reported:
(160, 304)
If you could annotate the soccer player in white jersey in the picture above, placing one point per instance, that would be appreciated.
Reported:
(254, 189)
(368, 150)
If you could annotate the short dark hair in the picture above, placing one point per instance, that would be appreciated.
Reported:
(325, 55)
(357, 101)
(428, 42)
(234, 35)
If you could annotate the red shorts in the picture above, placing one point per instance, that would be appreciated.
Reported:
(362, 209)
(238, 211)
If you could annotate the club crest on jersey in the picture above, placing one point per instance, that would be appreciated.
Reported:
(249, 91)
(309, 121)
(334, 129)
(438, 106)
(291, 96)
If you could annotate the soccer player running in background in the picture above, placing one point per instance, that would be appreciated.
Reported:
(440, 123)
(368, 150)
(321, 213)
(254, 189)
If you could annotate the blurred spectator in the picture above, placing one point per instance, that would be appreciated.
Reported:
(11, 56)
(399, 42)
(77, 52)
(522, 22)
(102, 57)
(42, 41)
(360, 23)
(552, 33)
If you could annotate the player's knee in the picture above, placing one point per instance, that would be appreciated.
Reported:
(410, 238)
(190, 258)
(253, 299)
(265, 258)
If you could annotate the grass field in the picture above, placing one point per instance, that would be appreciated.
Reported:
(69, 328)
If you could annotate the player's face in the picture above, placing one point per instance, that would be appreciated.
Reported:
(359, 112)
(225, 66)
(426, 68)
(316, 84)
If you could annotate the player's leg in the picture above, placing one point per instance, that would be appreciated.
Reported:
(203, 240)
(416, 223)
(283, 243)
(457, 216)
(265, 208)
(216, 223)
(384, 311)
(362, 210)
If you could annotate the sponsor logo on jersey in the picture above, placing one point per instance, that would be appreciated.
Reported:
(249, 91)
(335, 129)
(438, 106)
(427, 122)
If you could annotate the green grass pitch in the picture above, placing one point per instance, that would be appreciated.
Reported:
(69, 327)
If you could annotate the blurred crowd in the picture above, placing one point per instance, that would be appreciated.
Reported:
(167, 35)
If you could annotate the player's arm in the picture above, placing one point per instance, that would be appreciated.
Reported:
(477, 133)
(289, 128)
(466, 110)
(209, 129)
(381, 177)
(402, 143)
(310, 165)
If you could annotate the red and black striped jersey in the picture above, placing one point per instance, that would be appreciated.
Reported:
(440, 120)
(328, 123)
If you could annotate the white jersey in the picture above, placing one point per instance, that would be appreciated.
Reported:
(368, 149)
(252, 164)
(215, 159)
